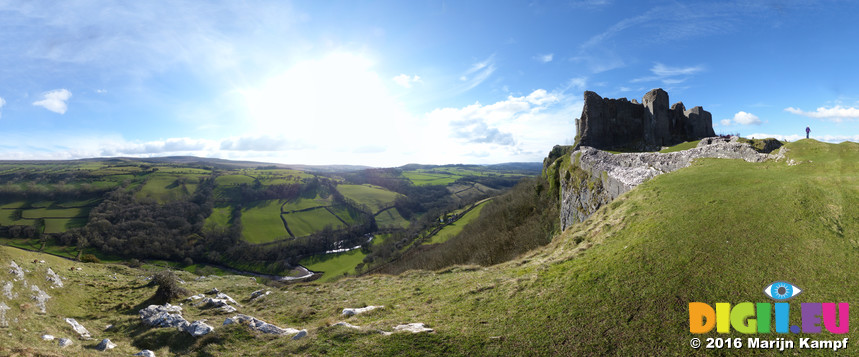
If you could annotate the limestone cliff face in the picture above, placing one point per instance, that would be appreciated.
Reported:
(595, 177)
(608, 123)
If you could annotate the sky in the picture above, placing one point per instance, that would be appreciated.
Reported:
(386, 83)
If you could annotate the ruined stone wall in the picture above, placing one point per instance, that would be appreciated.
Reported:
(608, 123)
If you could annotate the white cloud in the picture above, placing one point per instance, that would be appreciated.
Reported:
(406, 81)
(669, 75)
(55, 100)
(836, 113)
(742, 118)
(481, 72)
(545, 58)
(2, 103)
(101, 91)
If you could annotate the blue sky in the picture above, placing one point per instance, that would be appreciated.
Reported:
(395, 82)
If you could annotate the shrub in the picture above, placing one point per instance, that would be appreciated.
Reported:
(168, 286)
(89, 258)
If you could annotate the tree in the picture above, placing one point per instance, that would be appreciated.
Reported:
(168, 287)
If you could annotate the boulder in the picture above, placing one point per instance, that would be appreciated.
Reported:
(63, 342)
(145, 353)
(263, 327)
(259, 293)
(163, 316)
(416, 327)
(226, 297)
(198, 328)
(40, 297)
(16, 270)
(3, 309)
(213, 291)
(7, 290)
(54, 279)
(79, 329)
(105, 345)
(355, 311)
(346, 324)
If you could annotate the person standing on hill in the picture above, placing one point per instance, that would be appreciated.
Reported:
(807, 132)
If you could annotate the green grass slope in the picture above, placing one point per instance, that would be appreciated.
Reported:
(617, 284)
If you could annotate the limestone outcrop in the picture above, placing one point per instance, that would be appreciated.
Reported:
(597, 177)
(608, 123)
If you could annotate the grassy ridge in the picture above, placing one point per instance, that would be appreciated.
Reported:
(617, 284)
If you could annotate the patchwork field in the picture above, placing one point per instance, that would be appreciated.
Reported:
(373, 196)
(391, 218)
(308, 222)
(261, 222)
(167, 187)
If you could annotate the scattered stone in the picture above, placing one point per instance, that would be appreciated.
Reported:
(47, 337)
(42, 261)
(108, 327)
(198, 328)
(7, 291)
(355, 311)
(195, 297)
(170, 316)
(226, 297)
(81, 331)
(145, 353)
(17, 271)
(3, 309)
(41, 298)
(105, 345)
(259, 294)
(163, 316)
(346, 324)
(63, 342)
(416, 327)
(228, 309)
(213, 291)
(264, 327)
(54, 279)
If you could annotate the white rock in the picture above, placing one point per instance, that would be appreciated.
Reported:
(416, 327)
(299, 335)
(228, 309)
(47, 337)
(3, 309)
(145, 353)
(213, 291)
(54, 279)
(163, 316)
(226, 297)
(259, 294)
(355, 311)
(16, 270)
(81, 331)
(40, 297)
(195, 297)
(105, 345)
(263, 327)
(7, 290)
(346, 324)
(198, 328)
(63, 342)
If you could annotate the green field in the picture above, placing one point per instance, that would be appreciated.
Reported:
(220, 216)
(167, 187)
(261, 222)
(390, 217)
(304, 203)
(453, 229)
(308, 222)
(230, 180)
(428, 179)
(54, 213)
(59, 225)
(373, 196)
(335, 265)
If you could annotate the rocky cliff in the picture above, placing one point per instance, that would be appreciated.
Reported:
(593, 177)
(608, 123)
